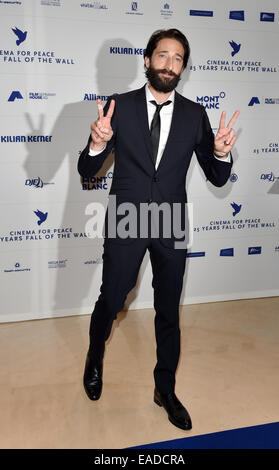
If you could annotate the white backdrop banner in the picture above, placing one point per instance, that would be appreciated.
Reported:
(56, 58)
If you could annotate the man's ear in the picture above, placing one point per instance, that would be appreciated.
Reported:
(147, 62)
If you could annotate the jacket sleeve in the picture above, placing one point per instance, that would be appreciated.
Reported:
(217, 171)
(88, 165)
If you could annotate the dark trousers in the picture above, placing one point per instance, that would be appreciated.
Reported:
(121, 264)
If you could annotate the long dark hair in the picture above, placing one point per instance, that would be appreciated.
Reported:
(171, 34)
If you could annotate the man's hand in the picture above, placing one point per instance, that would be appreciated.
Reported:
(225, 137)
(101, 131)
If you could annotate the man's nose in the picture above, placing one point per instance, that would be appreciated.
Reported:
(169, 63)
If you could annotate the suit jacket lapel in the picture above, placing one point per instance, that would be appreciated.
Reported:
(177, 115)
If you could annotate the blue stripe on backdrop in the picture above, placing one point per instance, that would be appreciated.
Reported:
(265, 436)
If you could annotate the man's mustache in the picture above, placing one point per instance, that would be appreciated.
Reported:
(169, 72)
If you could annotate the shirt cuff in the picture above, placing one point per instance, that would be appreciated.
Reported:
(94, 153)
(224, 158)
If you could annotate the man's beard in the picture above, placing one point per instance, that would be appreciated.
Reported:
(164, 84)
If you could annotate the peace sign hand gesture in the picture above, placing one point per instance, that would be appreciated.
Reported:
(101, 130)
(225, 137)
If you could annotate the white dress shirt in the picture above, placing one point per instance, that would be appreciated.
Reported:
(166, 117)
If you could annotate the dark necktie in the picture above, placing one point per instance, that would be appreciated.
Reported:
(156, 127)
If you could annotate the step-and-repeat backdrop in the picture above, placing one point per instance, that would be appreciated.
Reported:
(56, 58)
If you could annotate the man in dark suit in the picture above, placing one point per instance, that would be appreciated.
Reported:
(154, 132)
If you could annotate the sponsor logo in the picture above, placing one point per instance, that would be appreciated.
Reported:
(51, 3)
(96, 182)
(236, 208)
(31, 95)
(126, 50)
(10, 2)
(42, 216)
(225, 65)
(254, 250)
(237, 15)
(195, 254)
(94, 261)
(269, 177)
(19, 55)
(25, 138)
(166, 12)
(96, 5)
(271, 100)
(227, 252)
(15, 95)
(21, 36)
(40, 95)
(36, 182)
(235, 47)
(233, 177)
(94, 97)
(208, 13)
(16, 269)
(211, 102)
(134, 9)
(254, 100)
(267, 17)
(57, 264)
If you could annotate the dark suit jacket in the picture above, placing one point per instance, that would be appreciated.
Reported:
(135, 178)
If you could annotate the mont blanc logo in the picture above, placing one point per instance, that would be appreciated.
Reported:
(211, 101)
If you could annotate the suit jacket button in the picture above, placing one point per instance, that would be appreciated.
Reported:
(155, 179)
(149, 200)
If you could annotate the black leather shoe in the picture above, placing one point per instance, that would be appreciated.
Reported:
(92, 379)
(178, 415)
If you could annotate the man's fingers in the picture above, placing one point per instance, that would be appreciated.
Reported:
(100, 108)
(222, 123)
(229, 137)
(96, 130)
(111, 109)
(233, 119)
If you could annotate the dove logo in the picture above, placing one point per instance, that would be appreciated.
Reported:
(254, 100)
(235, 47)
(267, 17)
(236, 208)
(15, 95)
(134, 6)
(21, 36)
(237, 15)
(41, 215)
